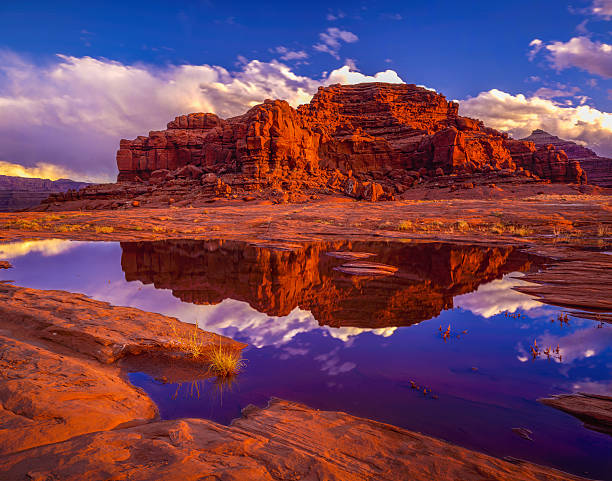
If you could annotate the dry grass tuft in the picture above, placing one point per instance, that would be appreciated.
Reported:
(191, 342)
(225, 362)
(102, 229)
(405, 225)
(26, 224)
(462, 225)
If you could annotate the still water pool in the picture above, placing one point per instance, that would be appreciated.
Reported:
(372, 346)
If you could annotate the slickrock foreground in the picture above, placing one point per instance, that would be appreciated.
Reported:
(281, 442)
(59, 376)
(593, 409)
(67, 412)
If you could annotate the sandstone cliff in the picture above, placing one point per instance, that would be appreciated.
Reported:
(370, 129)
(598, 169)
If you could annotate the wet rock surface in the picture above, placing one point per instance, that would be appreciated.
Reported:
(279, 442)
(58, 372)
(579, 280)
(594, 410)
(282, 441)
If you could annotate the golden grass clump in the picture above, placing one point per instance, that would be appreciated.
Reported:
(405, 225)
(102, 229)
(27, 224)
(462, 225)
(71, 227)
(190, 342)
(225, 362)
(519, 230)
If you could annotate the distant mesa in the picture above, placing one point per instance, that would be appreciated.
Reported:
(370, 141)
(22, 192)
(598, 169)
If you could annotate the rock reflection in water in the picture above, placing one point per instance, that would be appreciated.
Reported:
(276, 281)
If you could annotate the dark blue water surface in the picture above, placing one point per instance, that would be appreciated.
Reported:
(364, 345)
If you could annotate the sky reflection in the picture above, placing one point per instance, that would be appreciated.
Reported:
(484, 381)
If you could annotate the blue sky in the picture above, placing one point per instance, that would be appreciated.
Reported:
(117, 56)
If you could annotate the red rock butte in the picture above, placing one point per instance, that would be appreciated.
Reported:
(385, 131)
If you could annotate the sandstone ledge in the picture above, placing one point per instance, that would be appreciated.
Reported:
(574, 279)
(59, 375)
(593, 409)
(283, 441)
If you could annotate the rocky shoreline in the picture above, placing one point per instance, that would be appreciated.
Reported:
(594, 410)
(68, 412)
(61, 374)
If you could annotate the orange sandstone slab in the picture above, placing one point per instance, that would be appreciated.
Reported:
(594, 410)
(283, 441)
(46, 397)
(58, 372)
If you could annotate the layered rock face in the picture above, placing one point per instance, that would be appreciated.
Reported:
(269, 140)
(598, 169)
(311, 276)
(373, 130)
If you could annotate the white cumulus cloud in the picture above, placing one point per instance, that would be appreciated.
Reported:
(345, 75)
(72, 112)
(520, 114)
(580, 52)
(496, 297)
